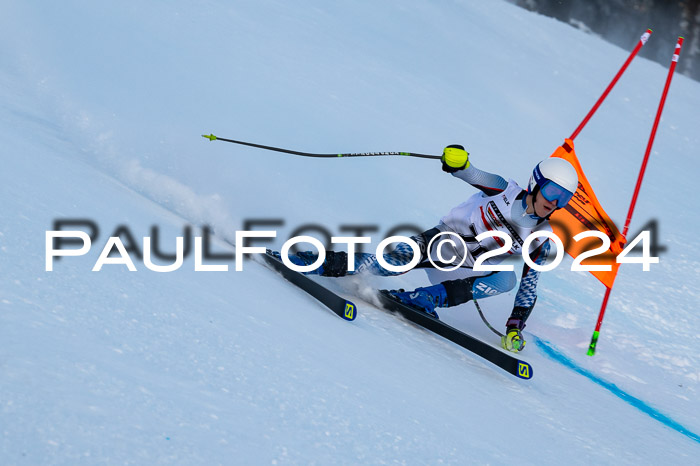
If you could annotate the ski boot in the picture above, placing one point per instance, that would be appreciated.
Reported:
(423, 299)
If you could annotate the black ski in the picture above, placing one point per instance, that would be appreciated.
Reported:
(495, 356)
(341, 306)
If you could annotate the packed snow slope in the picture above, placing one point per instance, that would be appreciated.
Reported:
(101, 110)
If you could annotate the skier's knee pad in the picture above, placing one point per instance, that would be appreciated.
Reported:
(493, 284)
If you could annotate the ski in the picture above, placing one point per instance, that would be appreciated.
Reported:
(505, 361)
(340, 306)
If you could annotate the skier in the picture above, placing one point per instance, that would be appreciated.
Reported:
(499, 205)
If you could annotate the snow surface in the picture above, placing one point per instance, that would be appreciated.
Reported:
(101, 109)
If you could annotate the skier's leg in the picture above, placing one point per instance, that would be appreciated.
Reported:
(455, 292)
(336, 263)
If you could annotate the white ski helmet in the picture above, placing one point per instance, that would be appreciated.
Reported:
(556, 178)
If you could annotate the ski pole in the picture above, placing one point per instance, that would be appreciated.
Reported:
(672, 68)
(211, 137)
(642, 41)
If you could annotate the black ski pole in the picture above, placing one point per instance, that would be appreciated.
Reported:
(211, 137)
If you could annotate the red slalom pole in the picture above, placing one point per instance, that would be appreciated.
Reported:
(671, 70)
(642, 41)
(674, 62)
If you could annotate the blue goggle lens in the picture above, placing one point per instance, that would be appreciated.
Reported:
(553, 192)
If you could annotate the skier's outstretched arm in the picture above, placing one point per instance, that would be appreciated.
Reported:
(455, 160)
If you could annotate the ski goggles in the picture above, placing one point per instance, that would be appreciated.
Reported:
(553, 192)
